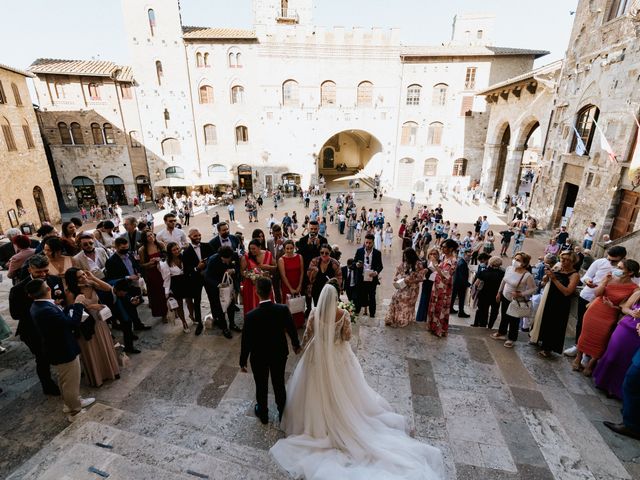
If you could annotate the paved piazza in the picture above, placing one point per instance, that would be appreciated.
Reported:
(184, 406)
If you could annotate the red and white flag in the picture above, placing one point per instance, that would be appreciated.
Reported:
(604, 143)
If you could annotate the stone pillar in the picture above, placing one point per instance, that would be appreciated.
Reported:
(512, 170)
(489, 167)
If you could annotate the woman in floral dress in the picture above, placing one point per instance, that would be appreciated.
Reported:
(403, 303)
(442, 288)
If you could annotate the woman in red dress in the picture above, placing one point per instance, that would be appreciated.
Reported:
(151, 252)
(255, 261)
(291, 268)
(602, 315)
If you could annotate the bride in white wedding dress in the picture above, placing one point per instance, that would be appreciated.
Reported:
(337, 426)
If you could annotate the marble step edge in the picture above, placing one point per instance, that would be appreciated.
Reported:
(77, 459)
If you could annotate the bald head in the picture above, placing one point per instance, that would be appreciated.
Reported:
(195, 236)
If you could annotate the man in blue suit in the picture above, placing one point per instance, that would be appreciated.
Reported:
(60, 345)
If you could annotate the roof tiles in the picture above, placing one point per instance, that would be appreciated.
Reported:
(97, 68)
(217, 33)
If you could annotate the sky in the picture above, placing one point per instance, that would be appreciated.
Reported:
(86, 29)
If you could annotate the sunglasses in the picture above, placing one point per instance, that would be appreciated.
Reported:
(325, 253)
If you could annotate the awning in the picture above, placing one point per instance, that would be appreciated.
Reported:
(173, 182)
(221, 178)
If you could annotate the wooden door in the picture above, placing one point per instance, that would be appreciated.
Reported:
(625, 220)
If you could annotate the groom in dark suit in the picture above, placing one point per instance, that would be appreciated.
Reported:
(264, 339)
(368, 267)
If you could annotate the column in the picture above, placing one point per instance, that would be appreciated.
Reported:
(489, 167)
(510, 180)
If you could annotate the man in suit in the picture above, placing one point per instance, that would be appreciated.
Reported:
(125, 303)
(224, 237)
(264, 340)
(309, 247)
(349, 279)
(368, 267)
(59, 342)
(194, 262)
(275, 246)
(19, 307)
(460, 284)
(132, 234)
(91, 258)
(225, 261)
(122, 265)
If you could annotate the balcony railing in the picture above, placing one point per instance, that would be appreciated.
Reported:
(287, 15)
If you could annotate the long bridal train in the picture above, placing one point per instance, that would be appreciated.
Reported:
(337, 426)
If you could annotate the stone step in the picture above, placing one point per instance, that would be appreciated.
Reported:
(77, 460)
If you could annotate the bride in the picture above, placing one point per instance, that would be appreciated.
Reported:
(337, 426)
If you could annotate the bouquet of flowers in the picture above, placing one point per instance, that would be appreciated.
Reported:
(255, 273)
(349, 307)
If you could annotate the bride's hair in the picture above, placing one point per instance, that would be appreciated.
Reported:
(334, 283)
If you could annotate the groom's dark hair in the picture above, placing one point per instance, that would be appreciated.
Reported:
(263, 287)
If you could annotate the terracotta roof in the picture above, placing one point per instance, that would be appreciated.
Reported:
(217, 33)
(95, 68)
(462, 51)
(15, 70)
(545, 69)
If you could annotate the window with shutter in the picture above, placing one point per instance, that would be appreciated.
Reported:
(467, 106)
(328, 93)
(16, 94)
(409, 133)
(9, 139)
(65, 134)
(96, 133)
(28, 137)
(76, 134)
(365, 94)
(210, 135)
(3, 97)
(435, 133)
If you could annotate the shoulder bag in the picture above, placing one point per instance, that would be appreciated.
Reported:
(519, 307)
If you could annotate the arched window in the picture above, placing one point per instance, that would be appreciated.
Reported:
(206, 60)
(290, 93)
(235, 59)
(409, 133)
(94, 91)
(232, 60)
(159, 72)
(152, 21)
(109, 138)
(206, 94)
(434, 135)
(618, 8)
(199, 60)
(584, 125)
(440, 95)
(9, 139)
(430, 167)
(16, 94)
(113, 180)
(238, 60)
(237, 94)
(413, 94)
(242, 135)
(170, 147)
(134, 137)
(96, 133)
(65, 134)
(328, 93)
(460, 167)
(210, 134)
(76, 134)
(174, 172)
(365, 94)
(216, 168)
(28, 137)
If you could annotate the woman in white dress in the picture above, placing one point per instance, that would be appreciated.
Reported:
(337, 426)
(377, 238)
(388, 236)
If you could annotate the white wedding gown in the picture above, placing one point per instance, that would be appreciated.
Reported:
(337, 426)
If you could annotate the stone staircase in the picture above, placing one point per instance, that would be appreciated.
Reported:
(150, 446)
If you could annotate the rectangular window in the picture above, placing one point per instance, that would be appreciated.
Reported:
(467, 106)
(470, 79)
(8, 138)
(28, 137)
(135, 143)
(94, 93)
(125, 91)
(618, 8)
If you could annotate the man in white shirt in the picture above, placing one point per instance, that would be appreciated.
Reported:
(91, 258)
(589, 233)
(484, 226)
(596, 273)
(171, 233)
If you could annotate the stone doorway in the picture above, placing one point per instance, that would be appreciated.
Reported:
(566, 204)
(41, 206)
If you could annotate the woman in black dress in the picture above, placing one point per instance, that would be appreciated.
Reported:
(321, 270)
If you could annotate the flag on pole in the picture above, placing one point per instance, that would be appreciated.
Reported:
(604, 143)
(580, 147)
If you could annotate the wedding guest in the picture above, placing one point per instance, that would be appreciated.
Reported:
(60, 345)
(174, 282)
(7, 250)
(22, 245)
(388, 237)
(309, 247)
(602, 315)
(490, 279)
(151, 253)
(255, 263)
(125, 303)
(224, 238)
(195, 258)
(225, 261)
(552, 248)
(321, 270)
(517, 284)
(275, 245)
(410, 273)
(461, 284)
(427, 284)
(368, 267)
(91, 257)
(97, 354)
(171, 233)
(68, 238)
(610, 370)
(440, 302)
(291, 268)
(104, 234)
(552, 315)
(132, 234)
(58, 263)
(259, 234)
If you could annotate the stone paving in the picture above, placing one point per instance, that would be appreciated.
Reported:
(183, 406)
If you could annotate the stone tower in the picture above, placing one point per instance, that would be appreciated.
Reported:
(154, 36)
(282, 12)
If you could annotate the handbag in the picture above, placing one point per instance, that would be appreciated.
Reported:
(400, 284)
(226, 291)
(296, 303)
(519, 308)
(172, 303)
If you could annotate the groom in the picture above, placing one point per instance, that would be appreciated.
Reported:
(263, 337)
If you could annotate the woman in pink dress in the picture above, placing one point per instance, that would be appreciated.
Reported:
(440, 302)
(291, 267)
(255, 262)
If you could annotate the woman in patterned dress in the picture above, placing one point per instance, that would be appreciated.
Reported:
(440, 303)
(403, 303)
